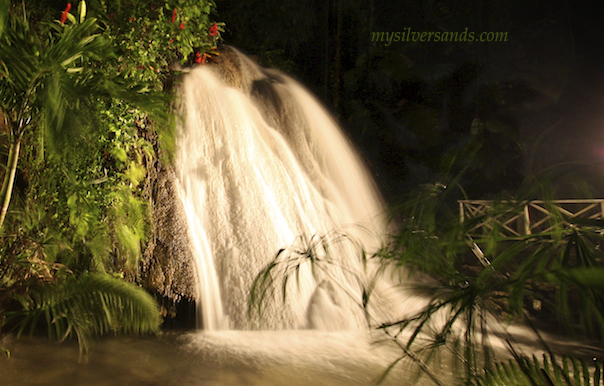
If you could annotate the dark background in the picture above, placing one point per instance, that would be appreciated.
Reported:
(504, 111)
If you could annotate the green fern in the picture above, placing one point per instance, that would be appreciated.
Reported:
(90, 305)
(567, 371)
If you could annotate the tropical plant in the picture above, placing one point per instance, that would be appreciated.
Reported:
(475, 281)
(81, 211)
(150, 36)
(48, 76)
(321, 256)
(46, 279)
(493, 275)
(91, 304)
(551, 370)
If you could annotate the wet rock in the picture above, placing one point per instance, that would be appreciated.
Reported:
(167, 265)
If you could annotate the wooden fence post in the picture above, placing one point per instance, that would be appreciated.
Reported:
(527, 220)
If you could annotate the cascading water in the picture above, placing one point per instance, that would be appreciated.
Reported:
(260, 162)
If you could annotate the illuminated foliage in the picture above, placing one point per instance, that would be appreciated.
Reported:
(84, 112)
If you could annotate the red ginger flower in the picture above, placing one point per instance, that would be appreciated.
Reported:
(214, 30)
(65, 12)
(199, 58)
(182, 25)
(174, 15)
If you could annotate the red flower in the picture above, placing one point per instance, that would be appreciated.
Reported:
(65, 12)
(153, 7)
(111, 17)
(199, 58)
(214, 30)
(182, 25)
(174, 15)
(131, 19)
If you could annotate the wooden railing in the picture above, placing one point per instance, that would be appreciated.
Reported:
(512, 219)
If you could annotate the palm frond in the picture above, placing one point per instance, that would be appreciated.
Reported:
(90, 305)
(548, 371)
(316, 252)
(4, 9)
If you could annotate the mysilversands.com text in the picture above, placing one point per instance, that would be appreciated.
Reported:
(411, 36)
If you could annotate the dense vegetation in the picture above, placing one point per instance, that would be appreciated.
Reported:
(84, 101)
(473, 287)
(84, 91)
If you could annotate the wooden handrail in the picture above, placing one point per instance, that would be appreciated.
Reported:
(526, 217)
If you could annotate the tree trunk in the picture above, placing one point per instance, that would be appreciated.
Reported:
(9, 177)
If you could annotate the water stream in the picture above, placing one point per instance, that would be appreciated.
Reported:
(261, 162)
(234, 358)
(219, 358)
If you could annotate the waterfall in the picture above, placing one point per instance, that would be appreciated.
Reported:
(260, 162)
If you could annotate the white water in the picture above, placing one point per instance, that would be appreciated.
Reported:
(247, 192)
(259, 165)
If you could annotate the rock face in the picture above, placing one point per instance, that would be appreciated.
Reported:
(167, 265)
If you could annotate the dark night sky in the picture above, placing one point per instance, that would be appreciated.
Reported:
(574, 119)
(555, 47)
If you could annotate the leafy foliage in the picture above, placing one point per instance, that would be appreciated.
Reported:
(82, 102)
(58, 78)
(91, 304)
(557, 267)
(318, 253)
(470, 289)
(151, 35)
(550, 370)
